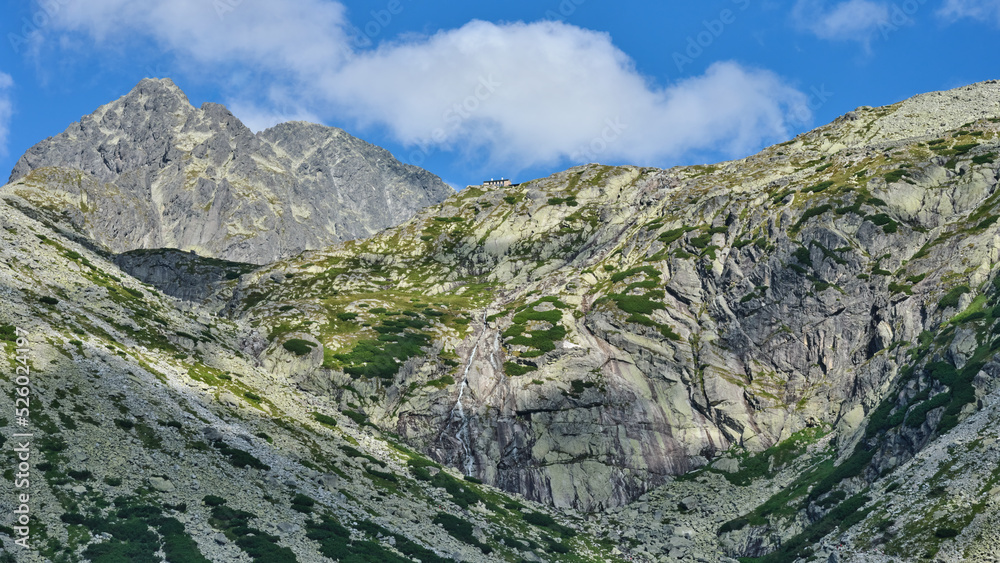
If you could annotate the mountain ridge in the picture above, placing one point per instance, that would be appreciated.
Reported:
(810, 233)
(171, 164)
(785, 357)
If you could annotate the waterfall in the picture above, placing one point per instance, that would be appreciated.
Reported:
(462, 435)
(496, 347)
(458, 411)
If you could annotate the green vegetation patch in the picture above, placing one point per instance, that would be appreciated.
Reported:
(647, 270)
(853, 466)
(355, 453)
(918, 414)
(546, 521)
(843, 516)
(298, 346)
(259, 545)
(137, 532)
(768, 462)
(442, 382)
(895, 175)
(357, 417)
(636, 304)
(538, 340)
(888, 225)
(398, 341)
(809, 214)
(336, 543)
(8, 333)
(303, 503)
(240, 458)
(820, 186)
(672, 235)
(570, 201)
(514, 369)
(639, 306)
(460, 530)
(324, 419)
(984, 158)
(951, 298)
(461, 494)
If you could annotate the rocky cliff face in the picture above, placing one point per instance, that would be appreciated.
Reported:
(582, 338)
(786, 357)
(156, 434)
(151, 171)
(183, 275)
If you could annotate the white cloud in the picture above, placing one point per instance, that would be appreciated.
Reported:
(258, 118)
(301, 35)
(984, 10)
(507, 93)
(854, 20)
(540, 92)
(6, 110)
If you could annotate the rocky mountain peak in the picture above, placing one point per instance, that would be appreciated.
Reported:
(157, 88)
(168, 174)
(152, 96)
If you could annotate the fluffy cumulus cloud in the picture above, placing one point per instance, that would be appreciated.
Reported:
(545, 91)
(854, 20)
(6, 110)
(984, 10)
(527, 93)
(300, 35)
(258, 117)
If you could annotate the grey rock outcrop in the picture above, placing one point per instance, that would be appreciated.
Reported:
(151, 171)
(183, 275)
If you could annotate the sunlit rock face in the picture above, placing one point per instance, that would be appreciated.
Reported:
(151, 171)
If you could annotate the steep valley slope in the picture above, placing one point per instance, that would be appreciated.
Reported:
(599, 332)
(793, 356)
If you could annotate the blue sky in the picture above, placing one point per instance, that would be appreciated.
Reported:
(514, 88)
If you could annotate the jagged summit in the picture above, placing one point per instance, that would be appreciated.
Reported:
(159, 89)
(150, 170)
